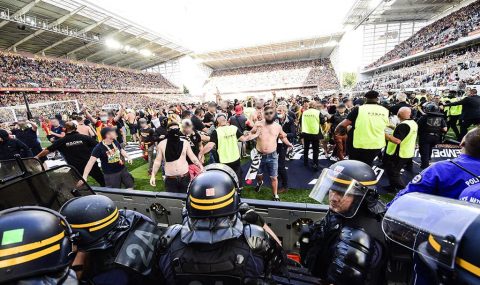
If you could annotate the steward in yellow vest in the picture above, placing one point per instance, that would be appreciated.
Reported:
(311, 133)
(453, 115)
(369, 121)
(225, 138)
(400, 148)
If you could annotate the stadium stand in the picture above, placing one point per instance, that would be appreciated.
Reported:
(287, 75)
(454, 69)
(19, 71)
(444, 31)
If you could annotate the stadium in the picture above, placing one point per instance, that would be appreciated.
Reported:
(242, 142)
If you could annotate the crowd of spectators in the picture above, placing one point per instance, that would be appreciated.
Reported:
(30, 72)
(453, 70)
(319, 73)
(440, 33)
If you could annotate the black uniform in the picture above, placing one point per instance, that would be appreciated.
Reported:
(430, 129)
(76, 149)
(11, 147)
(288, 126)
(347, 251)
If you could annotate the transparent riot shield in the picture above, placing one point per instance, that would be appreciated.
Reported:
(429, 225)
(20, 167)
(51, 189)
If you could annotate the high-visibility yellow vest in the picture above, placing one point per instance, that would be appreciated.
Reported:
(369, 132)
(227, 147)
(407, 145)
(311, 121)
(454, 110)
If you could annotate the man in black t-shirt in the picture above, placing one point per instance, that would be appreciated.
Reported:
(209, 118)
(195, 140)
(26, 132)
(76, 149)
(197, 120)
(147, 142)
(112, 156)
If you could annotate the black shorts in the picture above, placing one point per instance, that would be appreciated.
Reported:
(132, 128)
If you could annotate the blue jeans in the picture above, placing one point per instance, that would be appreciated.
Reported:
(269, 164)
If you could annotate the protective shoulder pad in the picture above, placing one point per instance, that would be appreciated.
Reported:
(256, 237)
(356, 238)
(169, 235)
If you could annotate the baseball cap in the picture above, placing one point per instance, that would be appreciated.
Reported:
(238, 109)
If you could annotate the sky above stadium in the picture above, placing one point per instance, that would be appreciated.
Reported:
(206, 25)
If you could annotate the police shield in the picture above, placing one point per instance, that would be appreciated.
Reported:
(430, 226)
(50, 189)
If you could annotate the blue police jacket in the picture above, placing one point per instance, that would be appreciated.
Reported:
(444, 178)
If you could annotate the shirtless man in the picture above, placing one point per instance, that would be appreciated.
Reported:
(174, 151)
(269, 132)
(131, 119)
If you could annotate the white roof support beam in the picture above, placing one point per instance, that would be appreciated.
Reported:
(20, 12)
(82, 31)
(51, 25)
(90, 44)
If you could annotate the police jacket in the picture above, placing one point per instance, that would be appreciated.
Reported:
(125, 255)
(445, 178)
(234, 255)
(345, 251)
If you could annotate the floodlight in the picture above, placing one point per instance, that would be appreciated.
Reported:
(145, 52)
(113, 44)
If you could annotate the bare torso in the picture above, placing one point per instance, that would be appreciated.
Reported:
(177, 167)
(85, 130)
(131, 118)
(267, 136)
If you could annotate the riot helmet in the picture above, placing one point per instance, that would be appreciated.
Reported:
(91, 217)
(345, 184)
(35, 243)
(431, 108)
(442, 231)
(213, 193)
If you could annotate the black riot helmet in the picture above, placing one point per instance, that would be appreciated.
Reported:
(346, 183)
(91, 217)
(34, 242)
(432, 108)
(213, 193)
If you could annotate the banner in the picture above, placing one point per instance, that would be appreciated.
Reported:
(301, 177)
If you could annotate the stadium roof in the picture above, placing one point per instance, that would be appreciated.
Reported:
(382, 11)
(81, 30)
(301, 49)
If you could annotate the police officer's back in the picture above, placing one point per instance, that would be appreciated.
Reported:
(347, 246)
(213, 244)
(35, 248)
(115, 246)
(431, 126)
(449, 178)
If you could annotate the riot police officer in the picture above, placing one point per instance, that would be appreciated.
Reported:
(35, 248)
(115, 246)
(442, 234)
(347, 245)
(214, 244)
(431, 126)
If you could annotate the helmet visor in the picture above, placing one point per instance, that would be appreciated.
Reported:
(343, 193)
(429, 225)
